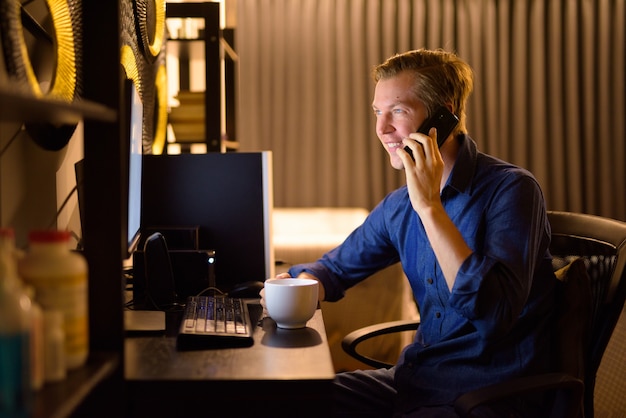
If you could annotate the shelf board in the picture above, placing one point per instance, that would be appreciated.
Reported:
(198, 39)
(230, 145)
(16, 105)
(59, 400)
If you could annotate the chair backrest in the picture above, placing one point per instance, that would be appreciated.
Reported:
(601, 242)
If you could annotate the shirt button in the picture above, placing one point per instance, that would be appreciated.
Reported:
(429, 281)
(438, 315)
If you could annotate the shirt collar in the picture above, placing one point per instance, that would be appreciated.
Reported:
(465, 166)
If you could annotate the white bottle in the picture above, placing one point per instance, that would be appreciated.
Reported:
(60, 280)
(54, 342)
(36, 341)
(15, 374)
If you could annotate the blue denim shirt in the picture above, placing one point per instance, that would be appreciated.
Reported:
(494, 324)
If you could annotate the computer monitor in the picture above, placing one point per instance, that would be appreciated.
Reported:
(227, 196)
(134, 128)
(131, 169)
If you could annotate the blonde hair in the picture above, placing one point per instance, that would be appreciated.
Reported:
(441, 78)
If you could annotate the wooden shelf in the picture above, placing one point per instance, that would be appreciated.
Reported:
(16, 105)
(209, 38)
(198, 39)
(231, 145)
(59, 400)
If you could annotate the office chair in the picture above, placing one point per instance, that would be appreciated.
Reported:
(591, 250)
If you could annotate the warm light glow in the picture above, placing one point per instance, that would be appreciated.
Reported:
(198, 148)
(173, 149)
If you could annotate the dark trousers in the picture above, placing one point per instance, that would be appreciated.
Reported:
(372, 394)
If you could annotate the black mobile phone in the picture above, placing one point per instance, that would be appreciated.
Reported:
(443, 120)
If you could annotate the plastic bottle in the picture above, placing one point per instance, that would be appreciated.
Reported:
(36, 340)
(54, 342)
(59, 277)
(16, 393)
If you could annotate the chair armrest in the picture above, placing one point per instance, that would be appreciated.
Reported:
(567, 402)
(568, 390)
(351, 341)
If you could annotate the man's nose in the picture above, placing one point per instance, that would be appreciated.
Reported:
(384, 126)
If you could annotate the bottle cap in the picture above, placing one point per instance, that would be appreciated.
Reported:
(7, 233)
(49, 236)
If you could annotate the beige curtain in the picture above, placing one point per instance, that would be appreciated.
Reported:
(550, 91)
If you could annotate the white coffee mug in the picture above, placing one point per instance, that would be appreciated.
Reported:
(291, 302)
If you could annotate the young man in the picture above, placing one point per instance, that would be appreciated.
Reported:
(472, 235)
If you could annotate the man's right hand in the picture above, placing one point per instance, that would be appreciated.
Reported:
(262, 292)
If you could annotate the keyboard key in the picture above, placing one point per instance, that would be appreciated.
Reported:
(215, 322)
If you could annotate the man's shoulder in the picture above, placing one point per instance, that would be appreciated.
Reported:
(393, 203)
(396, 196)
(495, 166)
(474, 165)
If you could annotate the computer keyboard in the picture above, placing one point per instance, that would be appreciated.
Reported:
(216, 322)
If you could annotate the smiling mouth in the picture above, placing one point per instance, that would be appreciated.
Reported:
(393, 145)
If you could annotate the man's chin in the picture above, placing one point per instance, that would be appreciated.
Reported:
(396, 162)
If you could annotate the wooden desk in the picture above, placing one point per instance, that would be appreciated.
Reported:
(285, 373)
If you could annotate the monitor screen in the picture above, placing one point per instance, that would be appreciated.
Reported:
(227, 196)
(135, 159)
(131, 170)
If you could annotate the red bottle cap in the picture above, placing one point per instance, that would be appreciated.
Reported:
(44, 236)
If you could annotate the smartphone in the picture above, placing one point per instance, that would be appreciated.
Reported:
(445, 122)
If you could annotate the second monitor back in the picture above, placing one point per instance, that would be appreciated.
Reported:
(229, 196)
